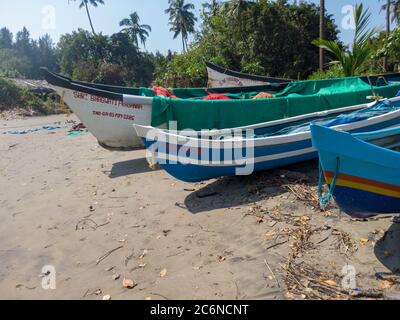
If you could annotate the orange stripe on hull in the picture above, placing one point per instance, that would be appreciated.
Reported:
(368, 185)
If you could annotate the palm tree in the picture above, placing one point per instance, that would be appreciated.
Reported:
(212, 7)
(352, 60)
(234, 8)
(181, 19)
(392, 8)
(94, 3)
(135, 30)
(321, 33)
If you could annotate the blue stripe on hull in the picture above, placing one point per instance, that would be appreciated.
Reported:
(364, 204)
(196, 173)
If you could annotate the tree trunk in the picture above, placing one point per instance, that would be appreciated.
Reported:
(388, 6)
(321, 33)
(90, 19)
(183, 43)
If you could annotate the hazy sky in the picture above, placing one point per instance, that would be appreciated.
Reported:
(57, 17)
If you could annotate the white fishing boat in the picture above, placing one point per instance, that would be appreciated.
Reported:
(219, 77)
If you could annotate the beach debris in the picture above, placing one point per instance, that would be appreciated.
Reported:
(109, 269)
(144, 254)
(163, 273)
(107, 254)
(98, 292)
(221, 258)
(107, 297)
(116, 276)
(387, 284)
(128, 283)
(331, 283)
(304, 193)
(166, 232)
(364, 241)
(129, 258)
(27, 131)
(272, 273)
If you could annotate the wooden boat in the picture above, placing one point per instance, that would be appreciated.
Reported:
(109, 112)
(198, 156)
(219, 77)
(363, 170)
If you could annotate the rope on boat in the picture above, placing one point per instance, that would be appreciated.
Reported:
(324, 200)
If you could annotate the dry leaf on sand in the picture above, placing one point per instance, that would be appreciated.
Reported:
(387, 284)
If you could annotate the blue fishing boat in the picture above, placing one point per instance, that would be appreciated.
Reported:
(193, 156)
(363, 170)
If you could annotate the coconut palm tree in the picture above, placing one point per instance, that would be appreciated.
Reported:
(135, 30)
(212, 7)
(181, 19)
(352, 60)
(392, 9)
(234, 8)
(321, 33)
(86, 3)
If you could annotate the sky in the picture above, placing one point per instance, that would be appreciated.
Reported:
(57, 17)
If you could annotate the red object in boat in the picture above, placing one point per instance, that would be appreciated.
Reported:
(163, 92)
(217, 96)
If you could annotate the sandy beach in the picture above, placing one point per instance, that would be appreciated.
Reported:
(99, 217)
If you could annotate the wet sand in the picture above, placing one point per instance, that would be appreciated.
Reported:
(99, 217)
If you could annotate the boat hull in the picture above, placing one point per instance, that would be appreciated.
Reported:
(367, 182)
(219, 77)
(109, 120)
(189, 160)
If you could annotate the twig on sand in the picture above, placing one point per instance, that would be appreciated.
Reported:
(106, 255)
(272, 273)
(277, 244)
(159, 295)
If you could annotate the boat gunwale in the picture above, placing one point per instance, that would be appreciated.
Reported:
(246, 76)
(272, 140)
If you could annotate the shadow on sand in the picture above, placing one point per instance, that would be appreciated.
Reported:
(130, 167)
(387, 249)
(240, 190)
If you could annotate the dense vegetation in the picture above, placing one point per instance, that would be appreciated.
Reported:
(275, 38)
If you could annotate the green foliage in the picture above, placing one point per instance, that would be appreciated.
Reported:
(111, 59)
(24, 56)
(334, 71)
(12, 96)
(267, 38)
(380, 49)
(352, 61)
(9, 94)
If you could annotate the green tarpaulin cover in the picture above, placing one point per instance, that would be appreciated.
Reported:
(301, 97)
